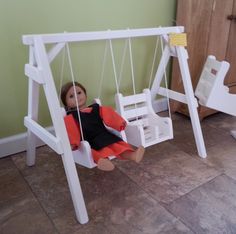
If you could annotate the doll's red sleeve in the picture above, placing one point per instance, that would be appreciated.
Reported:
(112, 119)
(73, 131)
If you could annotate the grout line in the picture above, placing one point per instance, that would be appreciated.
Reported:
(36, 198)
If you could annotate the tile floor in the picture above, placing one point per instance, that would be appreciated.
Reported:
(171, 191)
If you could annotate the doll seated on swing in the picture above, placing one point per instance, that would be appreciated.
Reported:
(92, 119)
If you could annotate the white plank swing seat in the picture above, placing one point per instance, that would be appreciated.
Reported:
(39, 73)
(211, 90)
(144, 126)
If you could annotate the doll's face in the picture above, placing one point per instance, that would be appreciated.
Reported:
(71, 98)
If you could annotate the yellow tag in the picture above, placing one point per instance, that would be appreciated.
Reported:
(178, 39)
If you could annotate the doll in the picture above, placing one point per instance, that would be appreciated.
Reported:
(103, 143)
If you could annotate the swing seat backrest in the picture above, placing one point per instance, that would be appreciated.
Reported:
(134, 108)
(211, 90)
(211, 80)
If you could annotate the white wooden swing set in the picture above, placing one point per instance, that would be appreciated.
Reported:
(144, 127)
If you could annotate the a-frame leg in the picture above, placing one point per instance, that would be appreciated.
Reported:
(63, 144)
(191, 101)
(33, 103)
(33, 114)
(187, 98)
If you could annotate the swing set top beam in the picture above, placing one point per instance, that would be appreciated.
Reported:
(100, 35)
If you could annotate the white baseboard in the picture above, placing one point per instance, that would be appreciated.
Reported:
(17, 143)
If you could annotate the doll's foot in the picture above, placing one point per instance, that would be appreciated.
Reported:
(135, 156)
(105, 164)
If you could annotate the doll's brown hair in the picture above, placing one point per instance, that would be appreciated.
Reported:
(65, 88)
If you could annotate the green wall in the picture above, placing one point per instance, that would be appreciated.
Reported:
(51, 16)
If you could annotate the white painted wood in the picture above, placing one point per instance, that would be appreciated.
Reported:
(173, 95)
(101, 35)
(55, 51)
(183, 56)
(135, 112)
(43, 134)
(33, 73)
(144, 126)
(33, 105)
(211, 90)
(83, 155)
(129, 100)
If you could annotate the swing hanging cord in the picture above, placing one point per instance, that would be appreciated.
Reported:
(75, 93)
(132, 74)
(114, 66)
(131, 65)
(118, 81)
(166, 85)
(122, 62)
(103, 66)
(153, 62)
(103, 70)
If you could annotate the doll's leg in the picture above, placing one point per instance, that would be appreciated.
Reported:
(103, 163)
(136, 155)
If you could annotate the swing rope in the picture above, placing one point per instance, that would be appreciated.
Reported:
(104, 61)
(153, 62)
(114, 66)
(123, 61)
(103, 70)
(132, 66)
(75, 93)
(132, 74)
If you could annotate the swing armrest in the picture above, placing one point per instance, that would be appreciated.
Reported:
(154, 120)
(135, 135)
(83, 155)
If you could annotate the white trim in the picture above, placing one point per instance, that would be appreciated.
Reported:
(17, 143)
